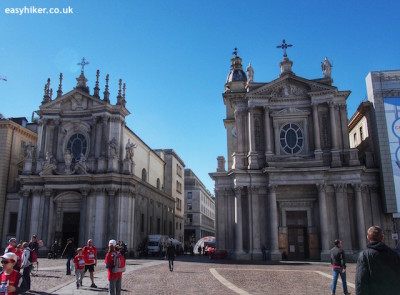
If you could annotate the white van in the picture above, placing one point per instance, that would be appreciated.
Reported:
(155, 243)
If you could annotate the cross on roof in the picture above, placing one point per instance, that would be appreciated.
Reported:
(235, 51)
(284, 46)
(83, 63)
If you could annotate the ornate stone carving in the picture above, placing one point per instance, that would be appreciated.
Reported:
(113, 144)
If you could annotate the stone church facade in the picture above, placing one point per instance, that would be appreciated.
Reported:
(293, 184)
(88, 175)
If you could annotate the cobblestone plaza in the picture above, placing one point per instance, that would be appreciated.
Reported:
(194, 275)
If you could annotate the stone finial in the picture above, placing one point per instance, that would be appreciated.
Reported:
(119, 97)
(96, 88)
(59, 91)
(123, 94)
(106, 92)
(221, 164)
(46, 96)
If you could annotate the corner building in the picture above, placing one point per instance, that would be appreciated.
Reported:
(293, 183)
(88, 175)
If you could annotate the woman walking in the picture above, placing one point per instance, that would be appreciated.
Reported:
(112, 265)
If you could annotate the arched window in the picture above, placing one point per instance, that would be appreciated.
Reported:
(144, 174)
(158, 183)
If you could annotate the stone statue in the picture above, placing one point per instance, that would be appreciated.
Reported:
(130, 146)
(68, 160)
(29, 149)
(81, 165)
(326, 68)
(250, 73)
(113, 147)
(48, 166)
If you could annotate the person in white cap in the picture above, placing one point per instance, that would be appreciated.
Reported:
(11, 281)
(114, 276)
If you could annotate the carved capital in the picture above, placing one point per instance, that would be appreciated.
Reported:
(321, 187)
(357, 187)
(48, 192)
(272, 188)
(340, 187)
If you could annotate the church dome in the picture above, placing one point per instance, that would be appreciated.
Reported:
(236, 73)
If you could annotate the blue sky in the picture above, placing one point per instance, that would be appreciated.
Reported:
(174, 57)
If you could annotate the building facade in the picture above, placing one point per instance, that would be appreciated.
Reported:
(174, 186)
(199, 209)
(15, 135)
(293, 182)
(88, 175)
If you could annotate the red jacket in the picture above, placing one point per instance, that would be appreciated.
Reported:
(13, 279)
(109, 264)
(79, 262)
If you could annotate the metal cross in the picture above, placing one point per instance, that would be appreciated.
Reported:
(284, 46)
(83, 63)
(234, 52)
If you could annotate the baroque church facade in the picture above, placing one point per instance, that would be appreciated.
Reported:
(89, 175)
(293, 184)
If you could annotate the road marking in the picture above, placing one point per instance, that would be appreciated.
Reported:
(329, 276)
(226, 283)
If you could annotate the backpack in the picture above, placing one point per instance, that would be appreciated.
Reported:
(118, 263)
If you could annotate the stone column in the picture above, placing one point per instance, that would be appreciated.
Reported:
(256, 223)
(343, 119)
(360, 217)
(230, 198)
(83, 219)
(273, 221)
(343, 217)
(323, 215)
(92, 152)
(252, 156)
(333, 125)
(220, 217)
(46, 212)
(21, 226)
(55, 137)
(111, 213)
(238, 154)
(317, 139)
(239, 225)
(277, 142)
(35, 209)
(43, 139)
(104, 137)
(267, 127)
(375, 204)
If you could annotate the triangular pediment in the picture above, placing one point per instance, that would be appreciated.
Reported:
(290, 86)
(74, 100)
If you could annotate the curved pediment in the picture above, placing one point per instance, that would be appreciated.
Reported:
(290, 112)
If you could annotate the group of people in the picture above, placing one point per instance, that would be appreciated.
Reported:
(378, 267)
(85, 259)
(16, 258)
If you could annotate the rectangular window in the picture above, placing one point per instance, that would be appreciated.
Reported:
(355, 139)
(189, 195)
(189, 206)
(361, 133)
(178, 170)
(190, 218)
(178, 187)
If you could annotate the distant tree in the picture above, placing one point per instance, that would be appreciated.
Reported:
(1, 116)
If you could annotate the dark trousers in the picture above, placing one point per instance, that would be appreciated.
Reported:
(68, 265)
(171, 264)
(26, 274)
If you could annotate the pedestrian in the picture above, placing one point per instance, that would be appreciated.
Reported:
(171, 255)
(34, 246)
(199, 250)
(11, 246)
(264, 252)
(90, 254)
(26, 264)
(11, 281)
(338, 261)
(69, 253)
(114, 274)
(378, 267)
(79, 262)
(54, 250)
(18, 251)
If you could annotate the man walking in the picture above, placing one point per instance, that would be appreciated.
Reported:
(378, 267)
(69, 252)
(338, 261)
(90, 254)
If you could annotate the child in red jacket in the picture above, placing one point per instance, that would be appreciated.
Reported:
(114, 279)
(11, 281)
(79, 262)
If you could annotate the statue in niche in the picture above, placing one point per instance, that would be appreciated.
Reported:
(326, 68)
(113, 147)
(68, 160)
(29, 149)
(130, 146)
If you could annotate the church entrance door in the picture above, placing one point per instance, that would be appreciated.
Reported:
(297, 235)
(70, 227)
